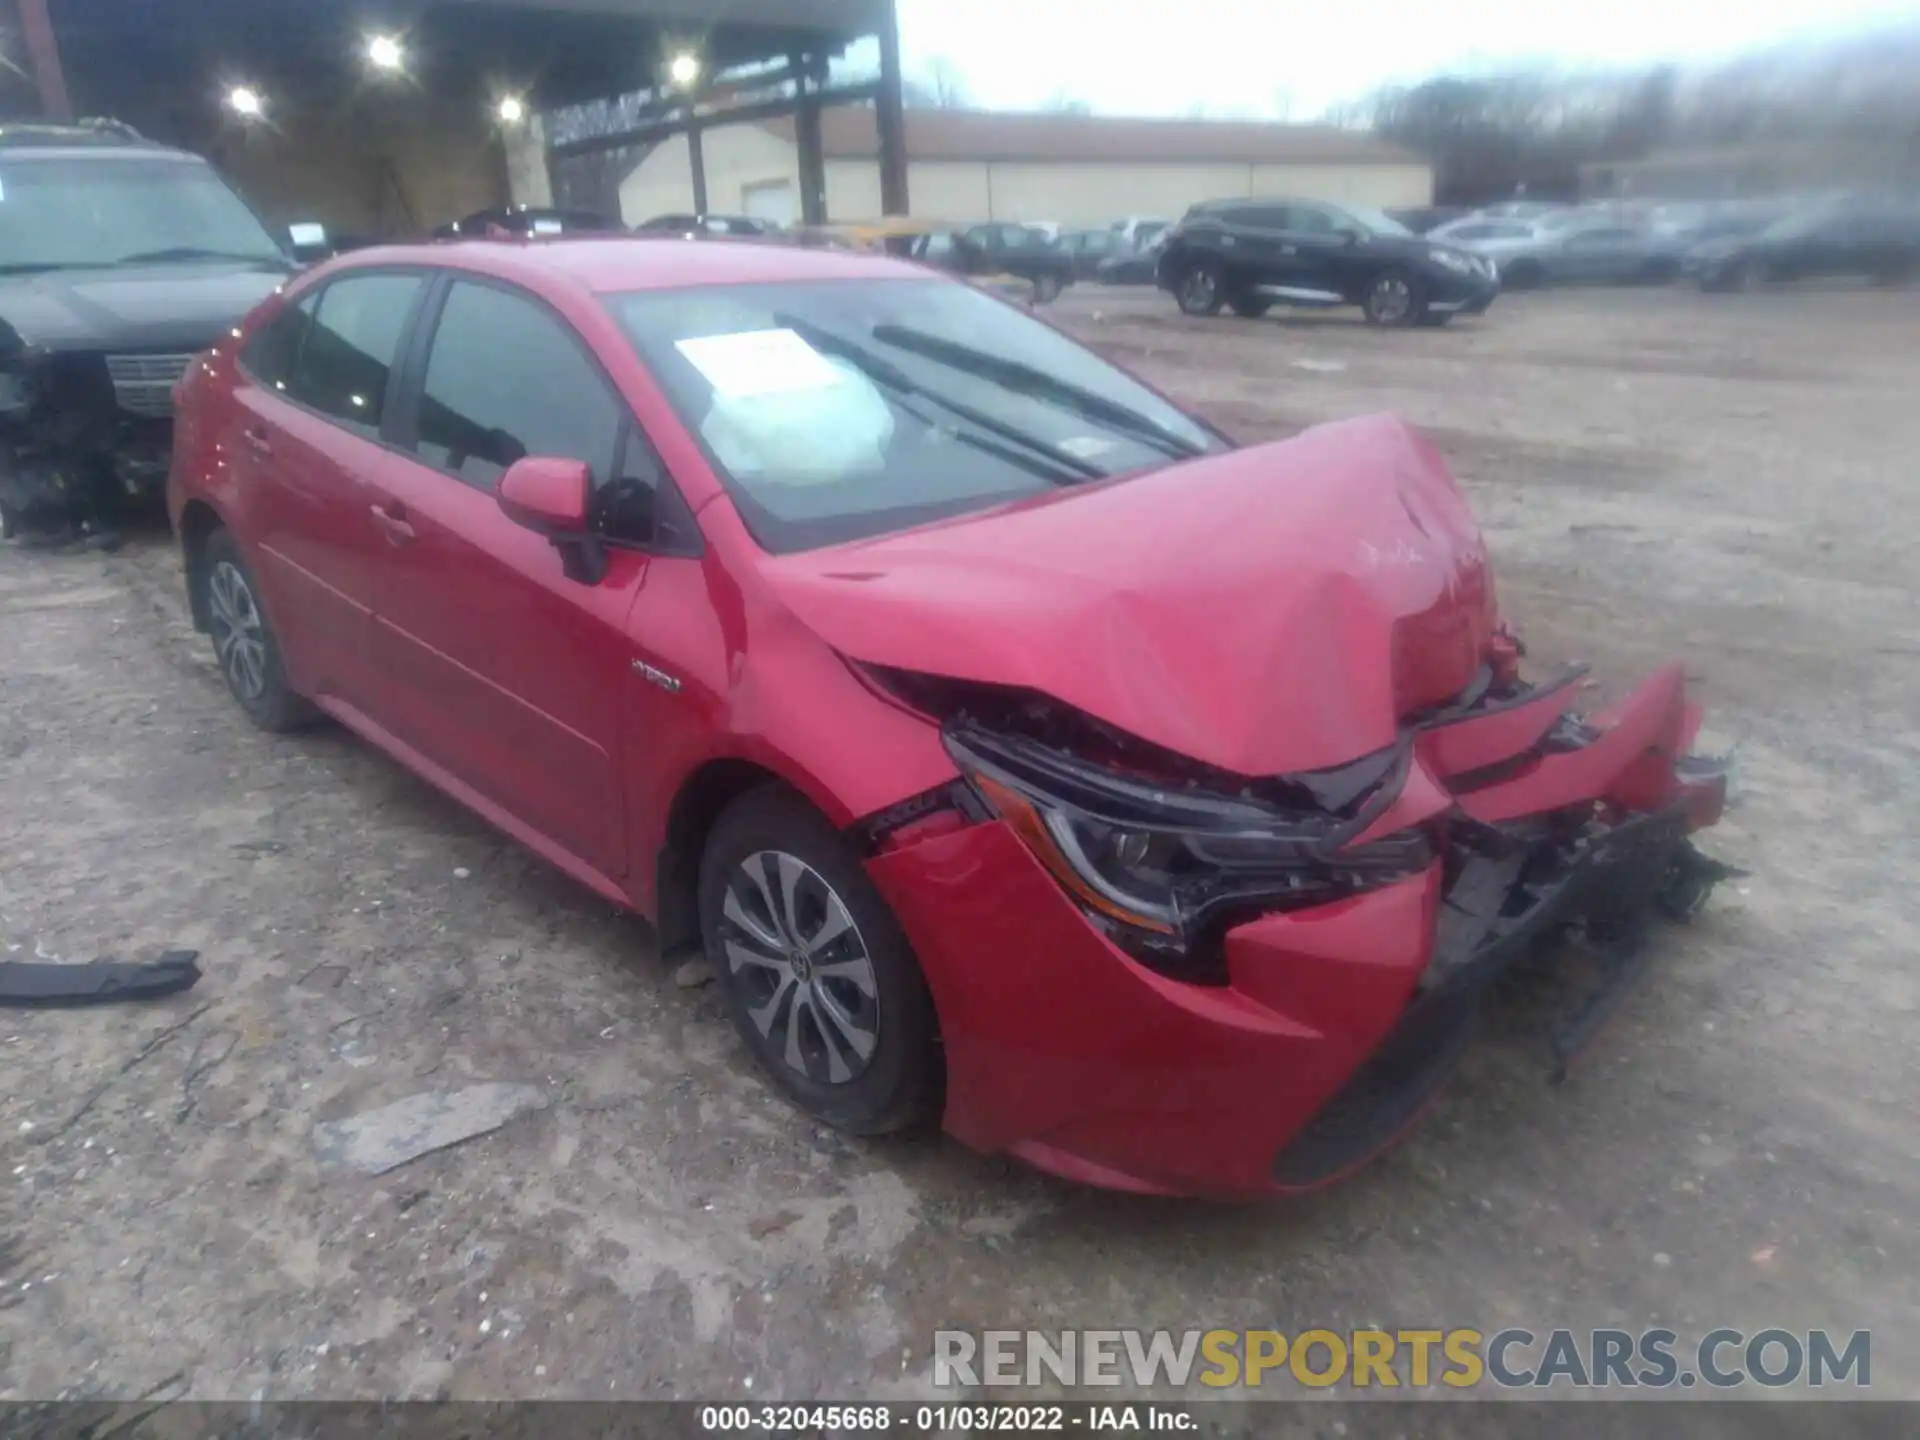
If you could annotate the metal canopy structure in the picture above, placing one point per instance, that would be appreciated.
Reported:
(162, 65)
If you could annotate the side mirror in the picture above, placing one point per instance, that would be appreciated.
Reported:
(549, 496)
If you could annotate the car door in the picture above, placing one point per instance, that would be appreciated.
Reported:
(506, 675)
(309, 414)
(1317, 253)
(1253, 249)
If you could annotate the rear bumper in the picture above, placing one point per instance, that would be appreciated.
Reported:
(1338, 1022)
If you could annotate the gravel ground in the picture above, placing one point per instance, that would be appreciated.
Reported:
(1729, 479)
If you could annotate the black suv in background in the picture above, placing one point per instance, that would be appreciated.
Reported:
(120, 261)
(1250, 255)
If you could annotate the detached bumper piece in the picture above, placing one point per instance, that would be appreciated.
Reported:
(1511, 891)
(26, 985)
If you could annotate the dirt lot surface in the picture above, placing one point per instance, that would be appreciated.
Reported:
(1732, 480)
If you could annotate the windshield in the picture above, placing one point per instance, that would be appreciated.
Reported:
(1376, 222)
(841, 409)
(105, 210)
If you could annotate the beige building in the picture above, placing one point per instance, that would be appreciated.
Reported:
(1071, 169)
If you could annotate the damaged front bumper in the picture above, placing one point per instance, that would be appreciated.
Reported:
(71, 446)
(1334, 1022)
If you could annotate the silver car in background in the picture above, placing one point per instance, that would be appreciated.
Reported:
(1566, 247)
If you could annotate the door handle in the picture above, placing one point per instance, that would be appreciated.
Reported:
(257, 440)
(393, 523)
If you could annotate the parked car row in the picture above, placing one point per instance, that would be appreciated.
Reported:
(1720, 246)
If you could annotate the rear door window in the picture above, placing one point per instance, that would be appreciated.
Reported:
(347, 354)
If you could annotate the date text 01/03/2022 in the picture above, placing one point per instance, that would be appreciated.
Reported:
(938, 1419)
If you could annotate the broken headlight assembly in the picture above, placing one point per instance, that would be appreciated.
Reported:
(1165, 863)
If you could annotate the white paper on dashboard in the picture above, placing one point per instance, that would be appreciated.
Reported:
(760, 362)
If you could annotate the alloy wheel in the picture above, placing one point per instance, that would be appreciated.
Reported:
(1391, 299)
(1199, 289)
(239, 634)
(806, 975)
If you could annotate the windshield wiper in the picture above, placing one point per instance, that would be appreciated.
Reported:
(1046, 459)
(196, 252)
(1018, 375)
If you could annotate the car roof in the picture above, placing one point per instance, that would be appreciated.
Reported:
(612, 264)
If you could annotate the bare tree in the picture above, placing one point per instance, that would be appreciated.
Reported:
(939, 87)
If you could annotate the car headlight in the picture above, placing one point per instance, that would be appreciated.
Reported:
(1452, 260)
(1164, 867)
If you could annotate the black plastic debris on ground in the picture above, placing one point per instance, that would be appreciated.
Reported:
(31, 985)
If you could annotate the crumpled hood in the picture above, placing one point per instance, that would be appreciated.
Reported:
(1270, 610)
(185, 307)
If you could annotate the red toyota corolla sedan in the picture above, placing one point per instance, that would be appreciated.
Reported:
(1022, 752)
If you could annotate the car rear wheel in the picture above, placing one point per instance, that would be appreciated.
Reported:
(1750, 276)
(1046, 289)
(1200, 290)
(1394, 298)
(1250, 307)
(817, 973)
(244, 643)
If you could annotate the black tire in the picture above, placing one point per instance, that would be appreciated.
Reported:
(1250, 307)
(1046, 289)
(1394, 298)
(1202, 289)
(1749, 275)
(1523, 275)
(244, 644)
(897, 1083)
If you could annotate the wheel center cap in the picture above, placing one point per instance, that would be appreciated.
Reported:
(802, 967)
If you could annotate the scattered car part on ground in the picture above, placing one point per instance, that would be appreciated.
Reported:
(377, 1141)
(120, 260)
(868, 631)
(1250, 255)
(32, 985)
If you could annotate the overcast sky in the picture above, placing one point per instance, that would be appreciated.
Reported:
(1161, 57)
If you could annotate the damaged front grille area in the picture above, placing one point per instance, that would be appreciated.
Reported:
(143, 384)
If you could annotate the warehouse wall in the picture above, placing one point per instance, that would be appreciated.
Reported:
(735, 157)
(1079, 193)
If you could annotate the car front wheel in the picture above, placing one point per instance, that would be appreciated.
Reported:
(818, 976)
(1394, 298)
(244, 642)
(1200, 290)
